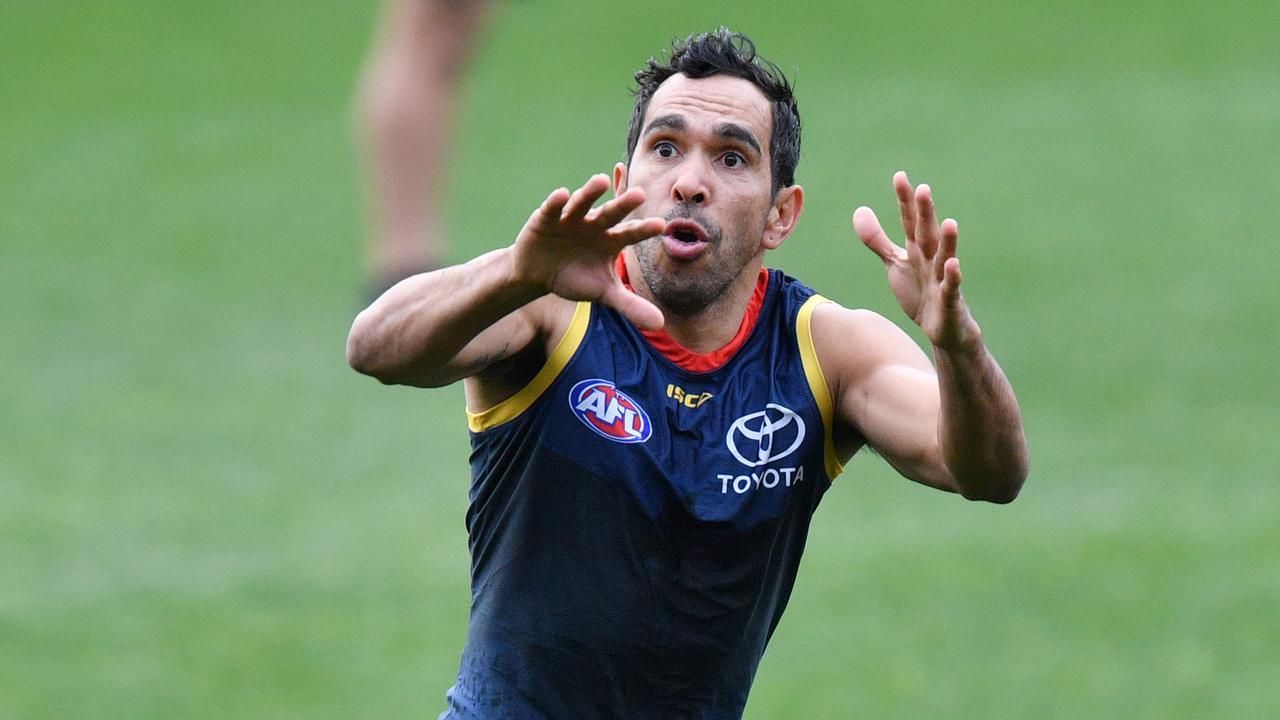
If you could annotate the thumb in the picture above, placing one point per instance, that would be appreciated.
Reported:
(643, 313)
(868, 228)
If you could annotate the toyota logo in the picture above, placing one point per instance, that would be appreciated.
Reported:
(762, 437)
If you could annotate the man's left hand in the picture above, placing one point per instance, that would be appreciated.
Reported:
(925, 275)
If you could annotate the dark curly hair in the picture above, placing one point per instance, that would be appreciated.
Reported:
(730, 53)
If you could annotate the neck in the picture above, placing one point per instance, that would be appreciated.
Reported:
(712, 327)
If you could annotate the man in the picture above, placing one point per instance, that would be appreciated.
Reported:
(655, 417)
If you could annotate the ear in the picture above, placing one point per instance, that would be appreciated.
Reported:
(619, 179)
(783, 216)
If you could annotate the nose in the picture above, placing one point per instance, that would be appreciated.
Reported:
(691, 186)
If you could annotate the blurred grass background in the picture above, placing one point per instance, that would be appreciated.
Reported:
(204, 513)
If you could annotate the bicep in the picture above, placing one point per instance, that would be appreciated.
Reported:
(886, 390)
(422, 332)
(499, 342)
(498, 354)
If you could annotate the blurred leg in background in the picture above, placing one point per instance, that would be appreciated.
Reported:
(406, 100)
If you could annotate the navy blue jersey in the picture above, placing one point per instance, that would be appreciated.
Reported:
(635, 528)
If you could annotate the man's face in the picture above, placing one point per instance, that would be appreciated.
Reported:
(702, 159)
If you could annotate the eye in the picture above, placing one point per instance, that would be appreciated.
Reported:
(665, 149)
(733, 159)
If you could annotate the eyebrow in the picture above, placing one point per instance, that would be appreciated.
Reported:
(735, 131)
(667, 122)
(732, 131)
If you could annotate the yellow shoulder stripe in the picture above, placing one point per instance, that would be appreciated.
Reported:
(512, 407)
(817, 381)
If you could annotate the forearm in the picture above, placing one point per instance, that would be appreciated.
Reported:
(980, 427)
(417, 331)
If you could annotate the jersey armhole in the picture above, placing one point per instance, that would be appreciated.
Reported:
(514, 406)
(818, 382)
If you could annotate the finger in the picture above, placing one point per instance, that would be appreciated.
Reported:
(947, 249)
(548, 213)
(612, 212)
(951, 278)
(633, 231)
(906, 204)
(584, 197)
(643, 313)
(926, 222)
(867, 226)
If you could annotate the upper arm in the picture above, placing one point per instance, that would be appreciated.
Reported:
(421, 332)
(884, 389)
(516, 335)
(515, 352)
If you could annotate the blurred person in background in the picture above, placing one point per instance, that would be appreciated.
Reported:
(405, 105)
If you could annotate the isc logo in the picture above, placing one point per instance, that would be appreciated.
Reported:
(686, 398)
(610, 412)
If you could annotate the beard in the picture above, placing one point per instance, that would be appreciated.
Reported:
(689, 287)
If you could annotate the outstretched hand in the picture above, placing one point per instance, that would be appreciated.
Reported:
(568, 248)
(925, 275)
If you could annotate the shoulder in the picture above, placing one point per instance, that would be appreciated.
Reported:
(857, 332)
(832, 321)
(853, 344)
(830, 329)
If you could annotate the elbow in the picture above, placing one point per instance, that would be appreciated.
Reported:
(996, 496)
(358, 358)
(369, 354)
(362, 353)
(1000, 489)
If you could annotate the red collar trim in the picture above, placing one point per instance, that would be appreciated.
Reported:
(708, 361)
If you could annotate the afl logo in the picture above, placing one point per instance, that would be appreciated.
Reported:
(610, 412)
(765, 436)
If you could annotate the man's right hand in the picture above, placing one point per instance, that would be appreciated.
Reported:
(569, 248)
(439, 327)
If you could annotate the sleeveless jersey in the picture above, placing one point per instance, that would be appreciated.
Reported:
(635, 528)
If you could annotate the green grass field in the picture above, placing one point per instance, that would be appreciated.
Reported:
(205, 514)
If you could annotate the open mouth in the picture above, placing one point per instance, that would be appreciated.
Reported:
(684, 239)
(686, 231)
